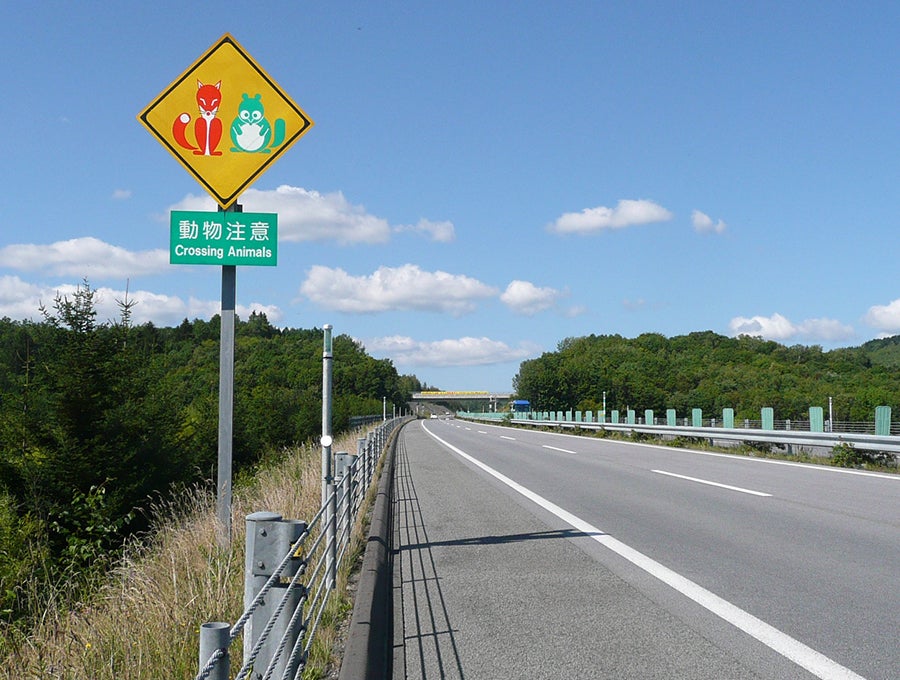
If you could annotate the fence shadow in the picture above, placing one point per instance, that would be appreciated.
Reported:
(554, 534)
(428, 637)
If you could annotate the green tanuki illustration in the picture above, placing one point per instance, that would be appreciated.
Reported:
(251, 132)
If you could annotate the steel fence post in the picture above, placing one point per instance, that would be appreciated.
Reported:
(348, 494)
(370, 445)
(343, 471)
(373, 456)
(331, 536)
(361, 461)
(340, 527)
(345, 509)
(213, 637)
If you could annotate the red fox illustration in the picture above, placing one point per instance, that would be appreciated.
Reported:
(207, 128)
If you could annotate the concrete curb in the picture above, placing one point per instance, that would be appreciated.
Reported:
(367, 653)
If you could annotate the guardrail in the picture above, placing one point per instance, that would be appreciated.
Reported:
(755, 431)
(290, 570)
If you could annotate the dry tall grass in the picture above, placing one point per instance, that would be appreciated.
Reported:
(144, 622)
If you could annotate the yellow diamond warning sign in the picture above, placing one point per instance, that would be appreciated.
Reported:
(225, 120)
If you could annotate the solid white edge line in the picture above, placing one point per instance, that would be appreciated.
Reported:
(806, 657)
(709, 483)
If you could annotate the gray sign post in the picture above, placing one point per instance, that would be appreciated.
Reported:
(226, 396)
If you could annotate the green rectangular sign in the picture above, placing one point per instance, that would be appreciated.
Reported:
(226, 238)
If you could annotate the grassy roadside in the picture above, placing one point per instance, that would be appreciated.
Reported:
(143, 622)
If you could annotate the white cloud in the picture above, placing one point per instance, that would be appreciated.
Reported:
(83, 257)
(162, 310)
(307, 215)
(21, 300)
(18, 299)
(627, 213)
(393, 288)
(523, 297)
(467, 351)
(775, 327)
(170, 310)
(442, 232)
(886, 318)
(829, 330)
(778, 327)
(192, 202)
(121, 194)
(704, 224)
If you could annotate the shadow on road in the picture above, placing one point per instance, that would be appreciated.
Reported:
(509, 538)
(427, 634)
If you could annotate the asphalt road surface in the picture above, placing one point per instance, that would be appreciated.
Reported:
(520, 554)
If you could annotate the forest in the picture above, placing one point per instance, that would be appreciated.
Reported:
(99, 420)
(711, 372)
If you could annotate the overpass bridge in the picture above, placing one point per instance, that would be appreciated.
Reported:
(443, 395)
(492, 399)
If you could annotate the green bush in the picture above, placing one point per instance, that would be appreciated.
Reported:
(846, 455)
(89, 533)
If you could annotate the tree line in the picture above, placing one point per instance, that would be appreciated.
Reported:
(711, 372)
(97, 420)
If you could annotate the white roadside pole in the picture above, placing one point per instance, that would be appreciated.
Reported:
(329, 495)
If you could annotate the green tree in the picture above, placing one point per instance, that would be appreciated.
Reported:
(711, 372)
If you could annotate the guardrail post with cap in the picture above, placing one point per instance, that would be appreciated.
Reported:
(268, 540)
(344, 464)
(368, 463)
(361, 465)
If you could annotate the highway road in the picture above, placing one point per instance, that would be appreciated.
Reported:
(543, 555)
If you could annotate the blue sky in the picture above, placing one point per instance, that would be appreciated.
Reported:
(483, 179)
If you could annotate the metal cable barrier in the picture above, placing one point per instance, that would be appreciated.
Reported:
(290, 569)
